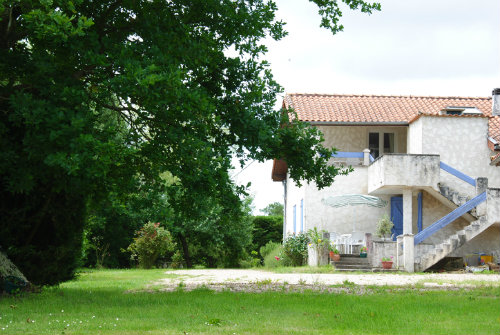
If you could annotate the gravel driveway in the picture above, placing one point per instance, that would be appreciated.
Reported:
(250, 280)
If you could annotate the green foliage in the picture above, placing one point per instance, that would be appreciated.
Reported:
(268, 248)
(331, 13)
(316, 238)
(216, 233)
(266, 229)
(112, 222)
(295, 249)
(94, 94)
(274, 209)
(43, 236)
(152, 241)
(273, 259)
(384, 226)
(252, 261)
(177, 260)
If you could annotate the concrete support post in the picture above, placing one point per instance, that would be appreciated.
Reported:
(408, 247)
(407, 211)
(408, 253)
(481, 186)
(366, 157)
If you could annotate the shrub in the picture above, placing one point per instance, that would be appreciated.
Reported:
(266, 229)
(384, 226)
(273, 258)
(295, 249)
(251, 261)
(268, 248)
(152, 241)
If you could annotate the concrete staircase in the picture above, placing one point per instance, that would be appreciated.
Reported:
(450, 244)
(455, 197)
(352, 263)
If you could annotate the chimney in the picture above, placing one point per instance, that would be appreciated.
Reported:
(496, 101)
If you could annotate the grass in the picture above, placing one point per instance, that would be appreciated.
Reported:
(98, 303)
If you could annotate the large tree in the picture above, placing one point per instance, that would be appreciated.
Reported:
(96, 93)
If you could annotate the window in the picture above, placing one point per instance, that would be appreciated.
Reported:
(294, 219)
(302, 215)
(460, 110)
(374, 144)
(388, 142)
(381, 143)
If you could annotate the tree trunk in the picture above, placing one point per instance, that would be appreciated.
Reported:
(185, 250)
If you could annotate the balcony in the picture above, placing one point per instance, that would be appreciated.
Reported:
(390, 173)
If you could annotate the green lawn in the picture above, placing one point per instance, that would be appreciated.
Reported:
(98, 303)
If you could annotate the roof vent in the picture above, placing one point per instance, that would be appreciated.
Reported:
(461, 110)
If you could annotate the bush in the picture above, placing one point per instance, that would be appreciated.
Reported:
(268, 248)
(152, 241)
(295, 249)
(273, 259)
(42, 236)
(251, 261)
(266, 229)
(384, 226)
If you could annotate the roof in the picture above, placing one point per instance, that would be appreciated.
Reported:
(382, 109)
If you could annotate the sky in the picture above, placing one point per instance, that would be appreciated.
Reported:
(424, 47)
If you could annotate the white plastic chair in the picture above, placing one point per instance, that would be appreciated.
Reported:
(357, 238)
(335, 239)
(345, 241)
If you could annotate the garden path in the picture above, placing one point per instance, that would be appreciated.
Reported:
(239, 278)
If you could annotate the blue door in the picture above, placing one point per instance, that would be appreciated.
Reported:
(397, 216)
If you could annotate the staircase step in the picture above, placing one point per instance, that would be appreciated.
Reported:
(368, 269)
(351, 266)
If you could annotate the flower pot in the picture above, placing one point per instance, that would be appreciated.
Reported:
(363, 255)
(387, 265)
(334, 257)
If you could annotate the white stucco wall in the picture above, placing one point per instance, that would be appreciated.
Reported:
(461, 142)
(343, 220)
(355, 138)
(415, 141)
(294, 196)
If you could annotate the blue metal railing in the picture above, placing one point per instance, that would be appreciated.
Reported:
(346, 154)
(447, 219)
(457, 173)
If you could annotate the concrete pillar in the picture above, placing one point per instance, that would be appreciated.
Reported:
(481, 186)
(407, 211)
(408, 247)
(366, 157)
(408, 253)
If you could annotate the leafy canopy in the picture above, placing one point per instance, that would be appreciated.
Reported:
(94, 94)
(273, 209)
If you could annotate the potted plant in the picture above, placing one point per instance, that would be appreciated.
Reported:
(363, 252)
(384, 227)
(334, 252)
(387, 262)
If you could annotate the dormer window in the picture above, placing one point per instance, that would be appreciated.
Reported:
(460, 110)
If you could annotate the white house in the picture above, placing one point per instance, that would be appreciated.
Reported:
(430, 160)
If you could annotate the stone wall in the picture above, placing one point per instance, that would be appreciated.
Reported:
(378, 249)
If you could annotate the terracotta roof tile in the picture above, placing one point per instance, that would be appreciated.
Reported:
(381, 108)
